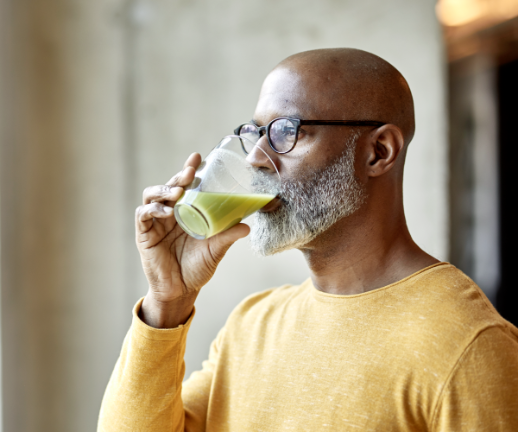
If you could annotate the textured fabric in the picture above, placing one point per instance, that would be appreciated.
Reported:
(428, 353)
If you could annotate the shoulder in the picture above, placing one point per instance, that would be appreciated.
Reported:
(439, 315)
(449, 300)
(482, 386)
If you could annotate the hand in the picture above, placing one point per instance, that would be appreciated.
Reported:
(176, 265)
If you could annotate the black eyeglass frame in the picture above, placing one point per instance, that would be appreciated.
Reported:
(298, 122)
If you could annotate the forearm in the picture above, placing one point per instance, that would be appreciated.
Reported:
(144, 392)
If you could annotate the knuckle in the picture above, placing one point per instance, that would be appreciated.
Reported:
(147, 191)
(164, 190)
(156, 192)
(176, 178)
(155, 207)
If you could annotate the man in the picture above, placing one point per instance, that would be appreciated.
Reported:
(382, 337)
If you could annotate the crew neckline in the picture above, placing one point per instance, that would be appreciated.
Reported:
(320, 295)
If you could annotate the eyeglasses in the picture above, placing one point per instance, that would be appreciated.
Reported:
(282, 133)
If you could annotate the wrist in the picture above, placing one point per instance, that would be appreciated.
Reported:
(166, 314)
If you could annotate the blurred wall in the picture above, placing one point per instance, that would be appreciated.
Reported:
(474, 189)
(65, 296)
(100, 99)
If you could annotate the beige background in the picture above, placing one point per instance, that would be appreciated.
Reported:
(102, 98)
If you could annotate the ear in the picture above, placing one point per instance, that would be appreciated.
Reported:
(385, 145)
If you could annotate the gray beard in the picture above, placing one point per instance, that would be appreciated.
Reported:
(310, 206)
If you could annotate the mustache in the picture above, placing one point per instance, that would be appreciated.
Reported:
(265, 183)
(291, 193)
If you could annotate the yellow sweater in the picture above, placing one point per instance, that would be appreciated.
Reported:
(428, 353)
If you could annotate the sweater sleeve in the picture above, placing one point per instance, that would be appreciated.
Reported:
(481, 394)
(144, 392)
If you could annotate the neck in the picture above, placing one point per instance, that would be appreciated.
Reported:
(370, 249)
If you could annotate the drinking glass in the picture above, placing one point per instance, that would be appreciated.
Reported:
(226, 189)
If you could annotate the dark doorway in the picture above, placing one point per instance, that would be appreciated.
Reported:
(507, 296)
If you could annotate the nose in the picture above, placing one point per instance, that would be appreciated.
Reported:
(261, 156)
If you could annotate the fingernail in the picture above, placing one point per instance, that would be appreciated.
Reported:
(168, 210)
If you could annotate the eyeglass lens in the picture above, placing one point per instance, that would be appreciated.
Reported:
(282, 134)
(251, 132)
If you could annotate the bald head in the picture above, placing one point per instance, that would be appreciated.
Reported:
(349, 84)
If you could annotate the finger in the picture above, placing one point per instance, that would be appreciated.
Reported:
(145, 214)
(194, 160)
(183, 178)
(186, 176)
(161, 193)
(220, 243)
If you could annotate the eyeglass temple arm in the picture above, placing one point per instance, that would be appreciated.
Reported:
(342, 122)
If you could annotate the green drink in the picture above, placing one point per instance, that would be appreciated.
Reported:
(205, 214)
(226, 189)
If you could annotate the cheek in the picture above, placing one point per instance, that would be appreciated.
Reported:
(293, 169)
(304, 165)
(314, 151)
(295, 166)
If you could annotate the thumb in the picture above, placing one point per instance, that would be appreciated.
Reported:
(220, 243)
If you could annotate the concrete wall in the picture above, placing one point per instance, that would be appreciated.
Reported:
(107, 97)
(64, 290)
